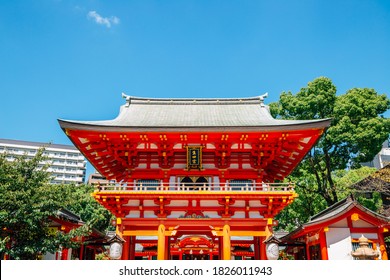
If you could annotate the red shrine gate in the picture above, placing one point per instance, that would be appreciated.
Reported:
(196, 178)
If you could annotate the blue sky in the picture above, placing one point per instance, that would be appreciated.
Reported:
(73, 59)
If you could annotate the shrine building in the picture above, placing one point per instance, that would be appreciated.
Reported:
(333, 234)
(196, 178)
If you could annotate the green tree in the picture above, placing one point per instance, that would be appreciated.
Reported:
(368, 185)
(356, 134)
(89, 210)
(344, 179)
(307, 204)
(27, 201)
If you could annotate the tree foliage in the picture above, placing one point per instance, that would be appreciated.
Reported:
(356, 134)
(344, 179)
(28, 200)
(89, 210)
(307, 204)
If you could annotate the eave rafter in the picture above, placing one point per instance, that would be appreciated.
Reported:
(165, 152)
(270, 203)
(162, 212)
(223, 152)
(273, 155)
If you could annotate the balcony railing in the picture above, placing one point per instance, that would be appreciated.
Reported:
(138, 187)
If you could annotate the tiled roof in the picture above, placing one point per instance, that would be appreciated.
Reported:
(141, 113)
(380, 178)
(341, 207)
(334, 211)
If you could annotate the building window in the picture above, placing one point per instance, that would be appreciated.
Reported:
(238, 185)
(149, 184)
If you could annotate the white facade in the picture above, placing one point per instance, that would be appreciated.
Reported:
(67, 164)
(382, 158)
(339, 238)
(339, 244)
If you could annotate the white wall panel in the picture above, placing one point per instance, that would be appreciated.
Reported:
(339, 244)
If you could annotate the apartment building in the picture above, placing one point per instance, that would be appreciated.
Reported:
(96, 179)
(382, 158)
(67, 164)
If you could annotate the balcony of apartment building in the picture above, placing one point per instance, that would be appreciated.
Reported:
(66, 179)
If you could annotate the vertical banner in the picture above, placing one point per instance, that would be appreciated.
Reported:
(194, 157)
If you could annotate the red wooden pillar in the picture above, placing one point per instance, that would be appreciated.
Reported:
(64, 255)
(167, 248)
(324, 249)
(256, 245)
(263, 253)
(81, 250)
(211, 254)
(125, 249)
(382, 246)
(132, 241)
(220, 248)
(161, 243)
(307, 249)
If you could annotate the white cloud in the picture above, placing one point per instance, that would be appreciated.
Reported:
(103, 20)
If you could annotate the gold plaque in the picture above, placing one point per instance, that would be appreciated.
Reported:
(194, 157)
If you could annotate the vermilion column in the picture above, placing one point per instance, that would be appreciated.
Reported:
(307, 249)
(167, 248)
(64, 255)
(81, 250)
(211, 254)
(226, 243)
(161, 242)
(263, 253)
(132, 240)
(382, 246)
(220, 248)
(125, 250)
(324, 249)
(180, 254)
(256, 245)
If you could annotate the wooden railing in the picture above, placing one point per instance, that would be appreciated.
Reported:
(136, 187)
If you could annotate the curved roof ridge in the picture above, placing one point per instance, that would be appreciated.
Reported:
(340, 207)
(343, 202)
(191, 99)
(254, 99)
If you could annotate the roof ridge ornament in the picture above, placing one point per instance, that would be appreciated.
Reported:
(262, 97)
(128, 99)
